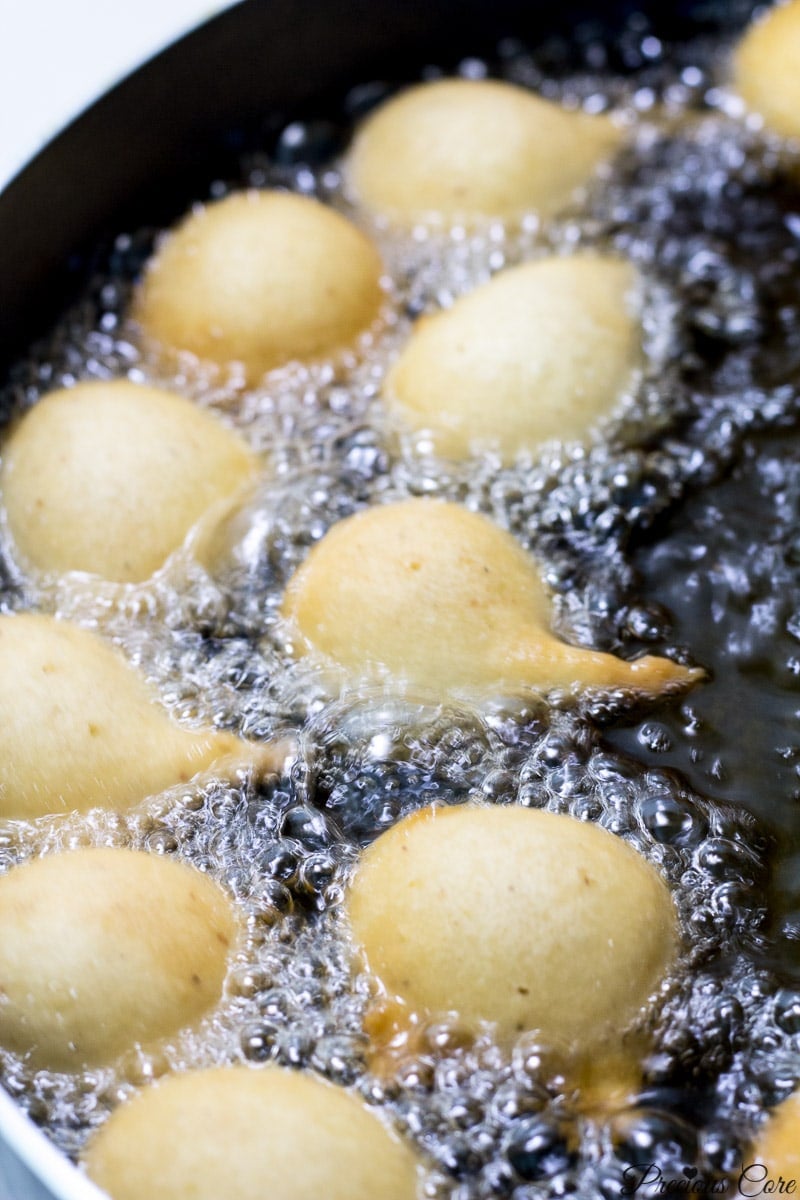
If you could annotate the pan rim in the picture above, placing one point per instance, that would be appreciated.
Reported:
(43, 1160)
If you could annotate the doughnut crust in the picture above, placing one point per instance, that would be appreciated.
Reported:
(778, 1147)
(103, 949)
(441, 601)
(542, 351)
(765, 69)
(249, 1133)
(261, 279)
(109, 478)
(79, 727)
(530, 920)
(465, 151)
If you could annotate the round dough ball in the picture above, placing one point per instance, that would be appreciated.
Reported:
(459, 150)
(109, 478)
(528, 919)
(79, 728)
(444, 601)
(249, 1133)
(104, 949)
(542, 351)
(261, 279)
(766, 69)
(778, 1148)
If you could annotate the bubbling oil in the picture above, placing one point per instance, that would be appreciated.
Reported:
(644, 546)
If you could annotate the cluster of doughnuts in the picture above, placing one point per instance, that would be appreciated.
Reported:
(522, 919)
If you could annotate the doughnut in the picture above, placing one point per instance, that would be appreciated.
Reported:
(466, 151)
(777, 1150)
(765, 69)
(523, 918)
(542, 351)
(261, 279)
(442, 601)
(248, 1133)
(110, 478)
(105, 949)
(79, 728)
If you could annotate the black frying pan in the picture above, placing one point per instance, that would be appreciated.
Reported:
(144, 150)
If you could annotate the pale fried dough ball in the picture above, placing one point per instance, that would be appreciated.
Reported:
(528, 919)
(777, 1149)
(250, 1133)
(79, 727)
(109, 478)
(444, 601)
(542, 351)
(459, 150)
(104, 949)
(766, 69)
(261, 279)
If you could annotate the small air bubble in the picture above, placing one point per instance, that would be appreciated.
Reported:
(651, 47)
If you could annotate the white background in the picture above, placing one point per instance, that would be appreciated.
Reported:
(56, 56)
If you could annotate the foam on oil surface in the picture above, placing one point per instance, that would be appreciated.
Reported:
(700, 203)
